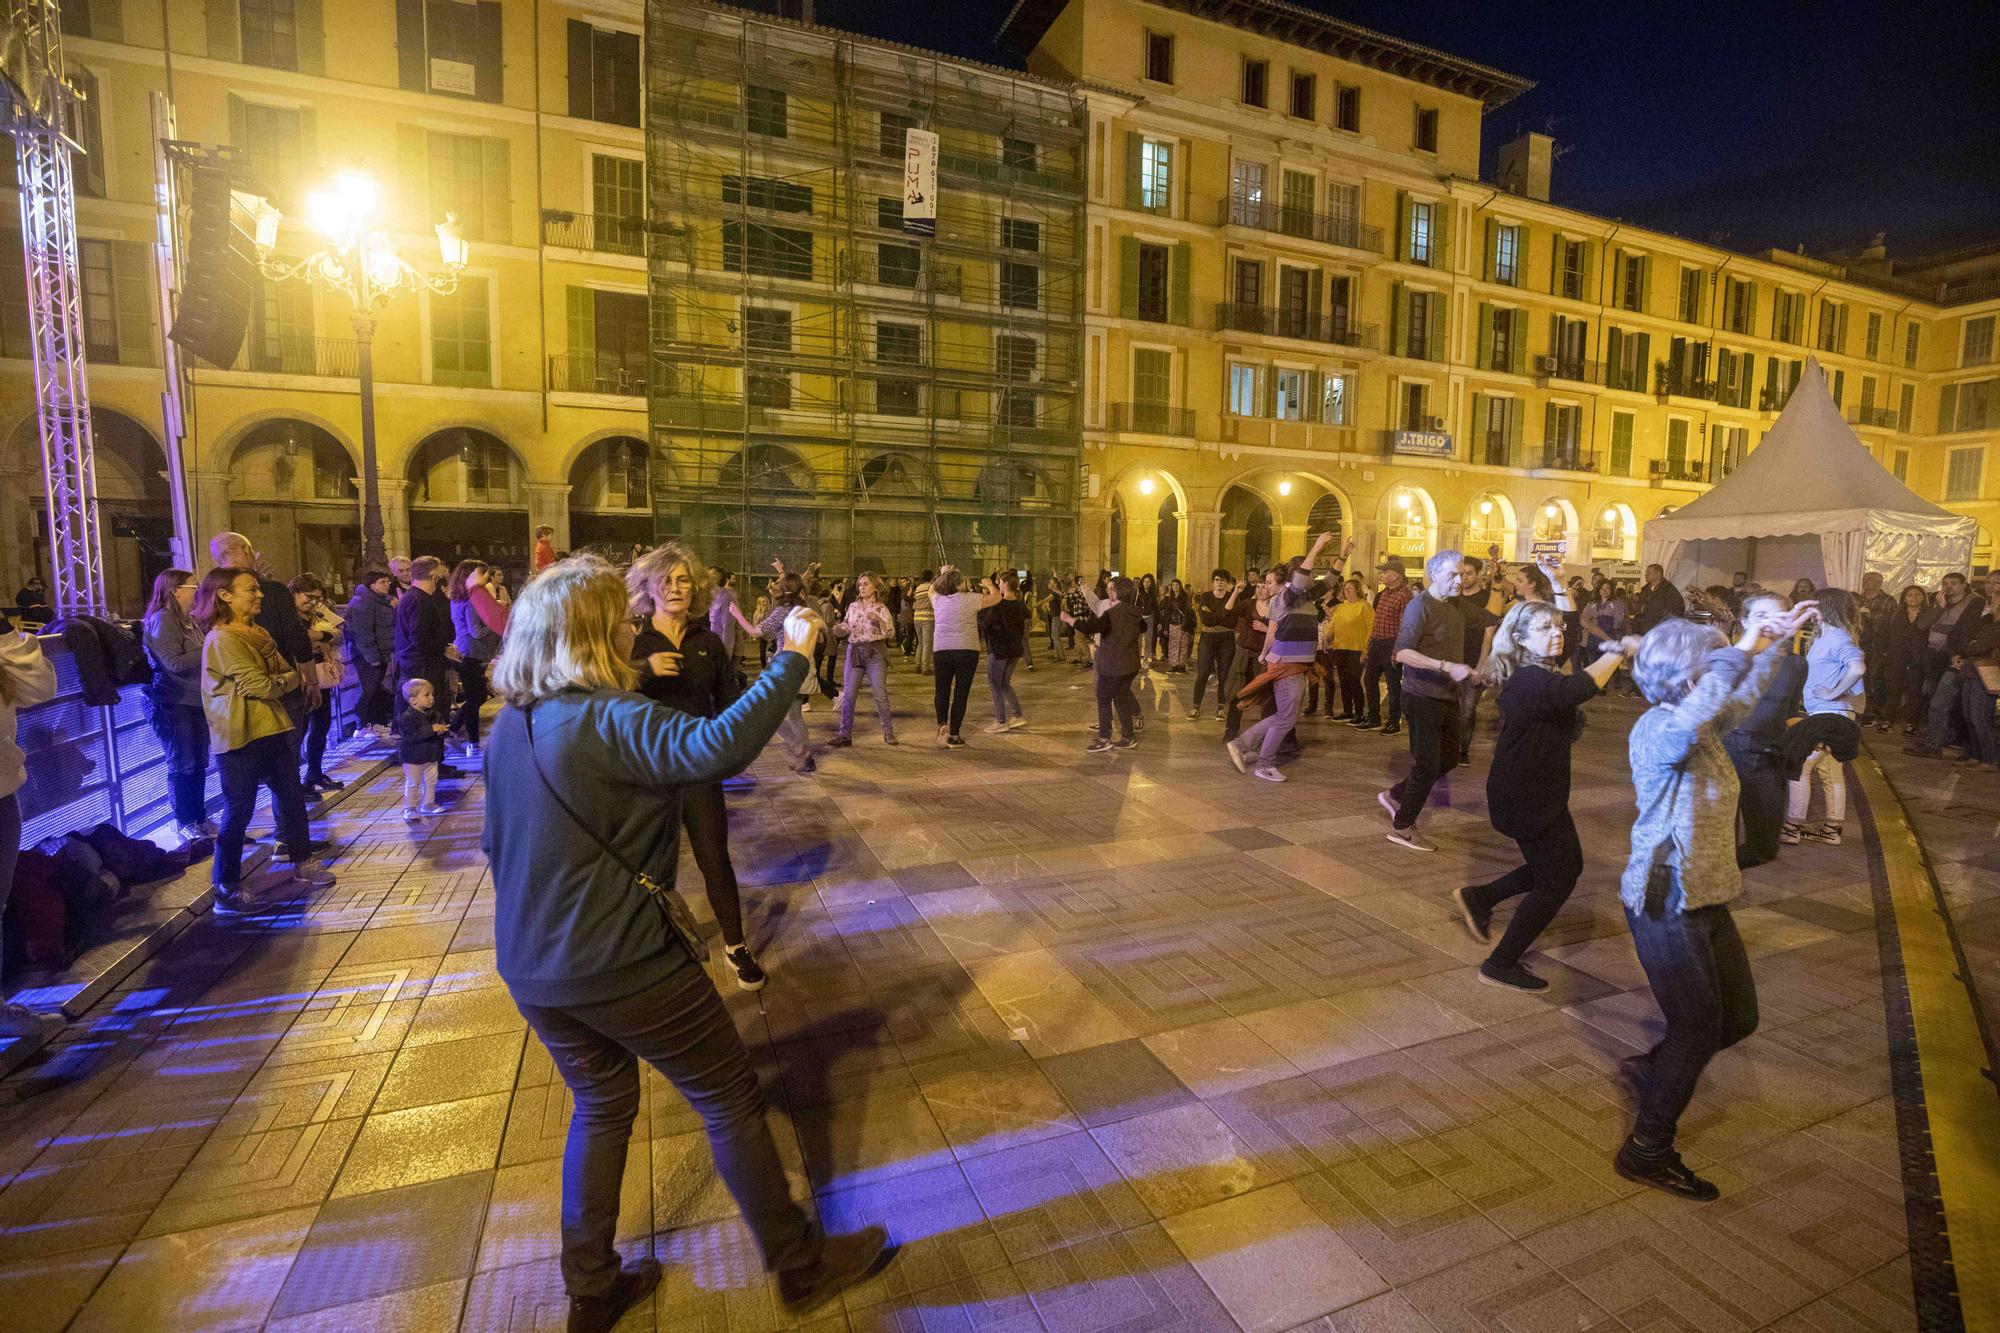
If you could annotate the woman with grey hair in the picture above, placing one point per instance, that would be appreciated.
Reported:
(1682, 873)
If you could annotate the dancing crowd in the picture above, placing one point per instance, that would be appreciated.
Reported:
(629, 695)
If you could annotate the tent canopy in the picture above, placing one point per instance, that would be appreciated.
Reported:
(1810, 501)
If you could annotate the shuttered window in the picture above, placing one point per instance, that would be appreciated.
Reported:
(1621, 444)
(603, 74)
(1964, 470)
(462, 336)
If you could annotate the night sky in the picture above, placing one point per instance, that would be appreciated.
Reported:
(1748, 125)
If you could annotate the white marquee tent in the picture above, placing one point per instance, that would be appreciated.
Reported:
(1810, 501)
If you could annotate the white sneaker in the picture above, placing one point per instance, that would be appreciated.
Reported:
(805, 706)
(411, 814)
(1235, 756)
(209, 828)
(995, 728)
(18, 1020)
(1410, 838)
(1015, 724)
(944, 737)
(433, 809)
(1270, 774)
(189, 832)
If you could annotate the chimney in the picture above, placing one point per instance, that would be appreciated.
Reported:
(1877, 249)
(1524, 166)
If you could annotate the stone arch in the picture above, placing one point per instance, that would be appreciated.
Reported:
(1409, 518)
(1614, 532)
(1555, 519)
(1132, 478)
(468, 497)
(134, 503)
(264, 464)
(223, 452)
(1490, 520)
(1249, 528)
(772, 470)
(1011, 482)
(1168, 543)
(405, 464)
(612, 483)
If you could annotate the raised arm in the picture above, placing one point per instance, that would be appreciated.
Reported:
(662, 747)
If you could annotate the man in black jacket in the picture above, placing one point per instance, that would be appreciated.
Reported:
(424, 634)
(1216, 646)
(1961, 710)
(1657, 600)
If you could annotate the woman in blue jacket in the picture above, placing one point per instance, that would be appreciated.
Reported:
(584, 780)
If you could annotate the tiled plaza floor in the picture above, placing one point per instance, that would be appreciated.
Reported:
(1110, 1041)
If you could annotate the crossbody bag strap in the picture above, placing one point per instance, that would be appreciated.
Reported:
(528, 716)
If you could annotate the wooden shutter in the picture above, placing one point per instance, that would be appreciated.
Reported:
(1179, 282)
(1486, 268)
(410, 49)
(581, 309)
(1476, 443)
(1517, 418)
(1617, 277)
(1441, 234)
(309, 135)
(1614, 364)
(239, 122)
(1549, 425)
(413, 158)
(310, 28)
(1750, 307)
(1590, 270)
(1517, 341)
(225, 31)
(488, 53)
(1645, 280)
(1840, 331)
(1485, 336)
(1947, 408)
(581, 95)
(498, 204)
(1402, 224)
(1556, 266)
(1435, 315)
(1135, 196)
(107, 20)
(1128, 277)
(132, 287)
(1399, 318)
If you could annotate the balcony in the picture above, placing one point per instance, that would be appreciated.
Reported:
(596, 374)
(1879, 418)
(601, 233)
(1336, 329)
(1303, 223)
(1680, 382)
(1152, 419)
(1563, 458)
(1773, 399)
(1574, 369)
(1673, 469)
(300, 354)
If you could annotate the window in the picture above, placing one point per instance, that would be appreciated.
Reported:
(1160, 57)
(270, 34)
(1690, 302)
(271, 140)
(1014, 358)
(778, 196)
(281, 330)
(1246, 194)
(618, 334)
(1962, 473)
(462, 336)
(772, 252)
(1906, 407)
(1839, 386)
(1020, 155)
(1335, 399)
(1899, 465)
(1677, 446)
(1343, 213)
(764, 111)
(898, 265)
(1156, 175)
(898, 345)
(1561, 424)
(1632, 282)
(1739, 305)
(1832, 326)
(1244, 398)
(1427, 129)
(1305, 96)
(100, 322)
(1020, 285)
(1296, 216)
(460, 50)
(1418, 330)
(603, 74)
(1975, 401)
(1571, 269)
(1502, 333)
(489, 470)
(1152, 388)
(458, 181)
(89, 174)
(1873, 348)
(1910, 337)
(626, 482)
(1256, 81)
(1248, 288)
(890, 138)
(1288, 388)
(1977, 347)
(1416, 404)
(618, 201)
(1020, 234)
(1347, 109)
(1621, 444)
(770, 332)
(1786, 312)
(1297, 295)
(1155, 265)
(1507, 255)
(1423, 218)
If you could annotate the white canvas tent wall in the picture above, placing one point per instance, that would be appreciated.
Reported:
(1812, 502)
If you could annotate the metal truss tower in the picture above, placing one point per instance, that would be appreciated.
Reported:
(39, 105)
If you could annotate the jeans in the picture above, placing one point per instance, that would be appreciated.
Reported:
(295, 708)
(1946, 719)
(318, 723)
(1242, 668)
(1469, 694)
(678, 1026)
(1760, 776)
(792, 734)
(1212, 655)
(1267, 735)
(471, 679)
(705, 820)
(420, 785)
(1381, 665)
(1000, 679)
(925, 628)
(1702, 983)
(1553, 860)
(267, 761)
(1115, 693)
(866, 659)
(371, 708)
(954, 669)
(1976, 712)
(1433, 746)
(1902, 695)
(1148, 645)
(183, 733)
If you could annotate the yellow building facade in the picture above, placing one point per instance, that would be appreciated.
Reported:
(1300, 305)
(1305, 310)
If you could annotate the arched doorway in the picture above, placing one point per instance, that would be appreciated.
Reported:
(1490, 523)
(1326, 515)
(1615, 534)
(468, 500)
(1556, 528)
(1246, 530)
(611, 496)
(1167, 549)
(134, 507)
(761, 508)
(293, 494)
(1409, 524)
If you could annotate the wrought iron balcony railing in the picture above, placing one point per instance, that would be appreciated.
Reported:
(1152, 419)
(301, 354)
(1263, 215)
(603, 233)
(1241, 317)
(571, 373)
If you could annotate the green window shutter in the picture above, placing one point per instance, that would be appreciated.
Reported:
(1590, 270)
(309, 135)
(1402, 224)
(1645, 281)
(1128, 278)
(1179, 282)
(1517, 341)
(107, 20)
(1313, 302)
(1441, 235)
(581, 309)
(1556, 265)
(498, 204)
(1948, 408)
(1399, 318)
(239, 122)
(581, 40)
(411, 73)
(1614, 376)
(1134, 195)
(1478, 432)
(225, 34)
(1840, 331)
(413, 161)
(132, 283)
(1434, 326)
(1750, 307)
(1617, 277)
(1643, 358)
(1549, 424)
(311, 36)
(1486, 267)
(1485, 335)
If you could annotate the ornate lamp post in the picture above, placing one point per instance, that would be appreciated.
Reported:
(359, 262)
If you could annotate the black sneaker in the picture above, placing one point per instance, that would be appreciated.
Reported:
(1124, 742)
(233, 900)
(1515, 977)
(1363, 724)
(1663, 1171)
(599, 1314)
(748, 975)
(1392, 729)
(844, 1261)
(1478, 923)
(953, 742)
(1098, 745)
(841, 742)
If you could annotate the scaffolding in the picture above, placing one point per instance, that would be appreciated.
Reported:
(822, 384)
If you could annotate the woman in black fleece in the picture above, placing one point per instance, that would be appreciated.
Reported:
(1121, 629)
(584, 777)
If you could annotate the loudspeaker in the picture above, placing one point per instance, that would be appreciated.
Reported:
(220, 285)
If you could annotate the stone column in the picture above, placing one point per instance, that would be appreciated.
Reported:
(395, 498)
(211, 509)
(1367, 547)
(548, 503)
(1201, 544)
(1288, 540)
(1451, 537)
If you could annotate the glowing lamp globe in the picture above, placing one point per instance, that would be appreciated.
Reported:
(350, 204)
(1145, 485)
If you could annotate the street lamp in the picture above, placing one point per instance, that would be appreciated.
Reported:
(360, 262)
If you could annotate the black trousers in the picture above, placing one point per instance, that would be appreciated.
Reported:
(1347, 667)
(1381, 665)
(1701, 980)
(705, 819)
(471, 679)
(1552, 863)
(371, 708)
(318, 723)
(1114, 693)
(953, 671)
(1212, 656)
(268, 761)
(183, 733)
(1434, 750)
(1760, 803)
